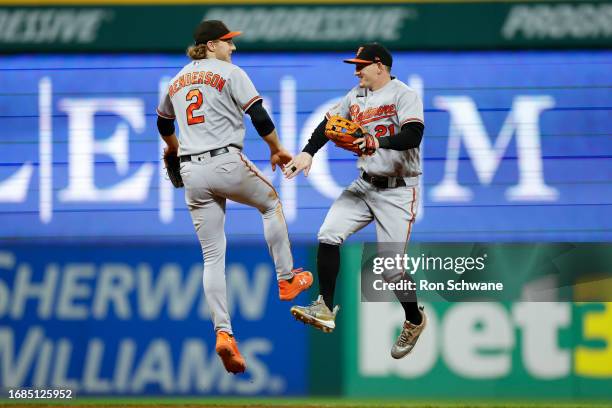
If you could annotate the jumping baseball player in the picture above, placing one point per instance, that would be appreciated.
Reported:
(208, 98)
(386, 190)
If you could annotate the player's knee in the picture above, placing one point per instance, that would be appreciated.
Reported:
(273, 208)
(392, 276)
(329, 236)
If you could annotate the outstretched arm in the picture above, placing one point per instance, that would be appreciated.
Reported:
(265, 128)
(303, 161)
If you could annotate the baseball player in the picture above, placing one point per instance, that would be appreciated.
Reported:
(386, 190)
(208, 98)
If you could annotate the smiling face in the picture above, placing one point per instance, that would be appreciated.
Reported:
(371, 76)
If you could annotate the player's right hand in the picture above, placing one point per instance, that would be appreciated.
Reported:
(301, 162)
(279, 158)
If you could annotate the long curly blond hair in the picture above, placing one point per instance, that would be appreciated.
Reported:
(196, 52)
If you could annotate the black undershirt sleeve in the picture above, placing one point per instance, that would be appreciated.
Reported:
(165, 126)
(260, 119)
(317, 139)
(409, 137)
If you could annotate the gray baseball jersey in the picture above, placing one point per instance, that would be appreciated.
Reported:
(208, 99)
(383, 113)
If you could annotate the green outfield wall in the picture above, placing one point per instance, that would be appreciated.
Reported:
(401, 26)
(510, 349)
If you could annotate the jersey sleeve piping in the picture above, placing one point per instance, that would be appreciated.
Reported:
(165, 115)
(246, 106)
(411, 120)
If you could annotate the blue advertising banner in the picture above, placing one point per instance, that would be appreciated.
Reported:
(517, 146)
(128, 320)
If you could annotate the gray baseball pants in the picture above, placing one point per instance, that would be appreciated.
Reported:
(209, 182)
(393, 210)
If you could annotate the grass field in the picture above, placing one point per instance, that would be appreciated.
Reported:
(297, 403)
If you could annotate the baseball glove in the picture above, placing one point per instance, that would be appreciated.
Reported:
(343, 133)
(173, 168)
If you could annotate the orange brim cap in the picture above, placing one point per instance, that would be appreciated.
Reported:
(231, 34)
(357, 61)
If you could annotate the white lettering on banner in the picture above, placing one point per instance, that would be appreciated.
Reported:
(474, 340)
(36, 25)
(125, 362)
(166, 189)
(16, 364)
(7, 262)
(115, 283)
(25, 289)
(466, 126)
(80, 291)
(376, 336)
(196, 367)
(313, 24)
(559, 21)
(540, 328)
(416, 83)
(466, 130)
(43, 365)
(83, 147)
(93, 365)
(288, 123)
(155, 368)
(15, 188)
(45, 148)
(73, 288)
(61, 366)
(478, 340)
(168, 288)
(320, 174)
(251, 297)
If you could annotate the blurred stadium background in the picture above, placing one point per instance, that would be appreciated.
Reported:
(100, 270)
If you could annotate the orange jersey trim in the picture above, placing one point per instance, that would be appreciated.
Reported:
(411, 214)
(411, 120)
(247, 105)
(164, 115)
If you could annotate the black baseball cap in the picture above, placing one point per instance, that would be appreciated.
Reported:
(211, 30)
(371, 53)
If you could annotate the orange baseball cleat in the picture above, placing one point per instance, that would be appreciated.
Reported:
(289, 289)
(227, 349)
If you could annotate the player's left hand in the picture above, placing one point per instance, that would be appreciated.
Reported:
(367, 144)
(280, 158)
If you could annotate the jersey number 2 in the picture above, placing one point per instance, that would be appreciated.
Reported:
(197, 104)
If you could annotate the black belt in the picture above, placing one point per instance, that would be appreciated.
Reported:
(383, 182)
(213, 153)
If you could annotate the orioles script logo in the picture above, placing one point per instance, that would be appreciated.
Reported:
(371, 114)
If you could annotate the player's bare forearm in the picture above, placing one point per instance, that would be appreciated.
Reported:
(171, 143)
(278, 154)
(273, 142)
